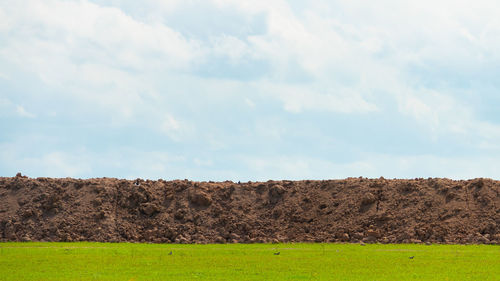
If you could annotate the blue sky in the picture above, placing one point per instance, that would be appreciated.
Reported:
(250, 90)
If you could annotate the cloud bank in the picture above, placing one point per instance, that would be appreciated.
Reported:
(220, 89)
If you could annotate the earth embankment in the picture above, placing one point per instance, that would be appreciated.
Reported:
(350, 210)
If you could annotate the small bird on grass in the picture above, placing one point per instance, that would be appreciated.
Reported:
(170, 253)
(411, 257)
(276, 254)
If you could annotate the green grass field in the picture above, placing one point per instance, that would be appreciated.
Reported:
(123, 261)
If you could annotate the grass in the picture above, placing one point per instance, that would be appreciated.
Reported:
(124, 261)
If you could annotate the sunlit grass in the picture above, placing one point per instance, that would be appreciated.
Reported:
(123, 261)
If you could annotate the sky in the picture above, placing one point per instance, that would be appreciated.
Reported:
(250, 90)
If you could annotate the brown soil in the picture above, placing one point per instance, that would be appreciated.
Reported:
(350, 210)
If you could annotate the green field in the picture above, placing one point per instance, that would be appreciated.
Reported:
(123, 261)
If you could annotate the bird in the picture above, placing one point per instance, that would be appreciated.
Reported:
(170, 253)
(411, 257)
(276, 254)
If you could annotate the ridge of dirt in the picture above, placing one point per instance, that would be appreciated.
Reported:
(431, 210)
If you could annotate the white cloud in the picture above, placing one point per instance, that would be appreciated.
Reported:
(442, 115)
(297, 99)
(93, 53)
(116, 33)
(22, 112)
(175, 129)
(59, 163)
(4, 20)
(47, 164)
(203, 162)
(249, 102)
(230, 46)
(294, 167)
(371, 166)
(5, 102)
(411, 166)
(170, 124)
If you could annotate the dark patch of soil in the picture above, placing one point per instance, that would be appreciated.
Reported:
(350, 210)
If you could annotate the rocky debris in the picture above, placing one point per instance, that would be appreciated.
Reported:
(354, 210)
(199, 198)
(275, 193)
(9, 232)
(371, 235)
(149, 208)
(367, 201)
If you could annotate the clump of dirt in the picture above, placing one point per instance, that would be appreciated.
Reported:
(349, 210)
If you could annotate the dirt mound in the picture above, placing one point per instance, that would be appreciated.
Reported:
(350, 210)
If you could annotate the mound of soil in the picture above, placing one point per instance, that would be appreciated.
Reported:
(350, 210)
